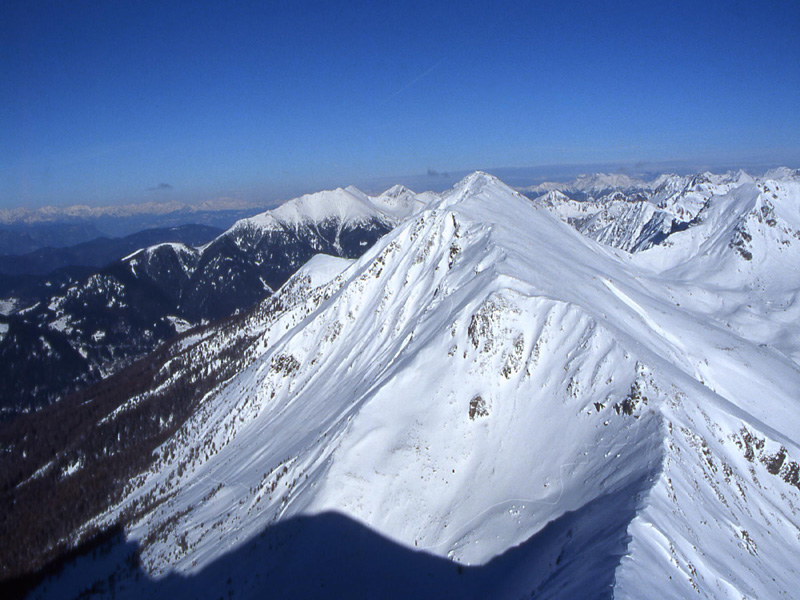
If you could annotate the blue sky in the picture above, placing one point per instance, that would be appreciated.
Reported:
(106, 102)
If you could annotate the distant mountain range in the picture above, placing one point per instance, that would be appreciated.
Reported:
(598, 185)
(82, 212)
(636, 215)
(24, 230)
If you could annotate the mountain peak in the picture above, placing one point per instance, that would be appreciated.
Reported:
(479, 176)
(396, 191)
(782, 173)
(598, 182)
(476, 181)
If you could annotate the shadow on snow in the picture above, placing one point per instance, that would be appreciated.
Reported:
(332, 556)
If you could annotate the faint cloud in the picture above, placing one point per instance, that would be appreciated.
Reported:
(435, 173)
(161, 187)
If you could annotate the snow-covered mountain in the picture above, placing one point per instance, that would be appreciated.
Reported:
(628, 222)
(94, 326)
(257, 255)
(638, 217)
(486, 386)
(588, 186)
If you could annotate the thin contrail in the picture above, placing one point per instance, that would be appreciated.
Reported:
(502, 18)
(413, 81)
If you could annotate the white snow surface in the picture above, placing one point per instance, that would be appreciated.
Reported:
(8, 305)
(321, 269)
(486, 373)
(348, 206)
(178, 324)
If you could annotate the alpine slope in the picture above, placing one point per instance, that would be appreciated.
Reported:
(491, 403)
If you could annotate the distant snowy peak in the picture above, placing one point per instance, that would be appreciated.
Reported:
(397, 194)
(639, 217)
(323, 215)
(345, 206)
(747, 237)
(589, 185)
(473, 185)
(625, 221)
(343, 221)
(398, 202)
(685, 197)
(782, 174)
(477, 180)
(664, 190)
(257, 255)
(600, 182)
(556, 198)
(545, 187)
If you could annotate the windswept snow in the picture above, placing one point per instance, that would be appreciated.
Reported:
(486, 373)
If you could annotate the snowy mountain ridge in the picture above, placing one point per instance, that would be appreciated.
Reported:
(596, 185)
(592, 185)
(639, 217)
(348, 207)
(490, 386)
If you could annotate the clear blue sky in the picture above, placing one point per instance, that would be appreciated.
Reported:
(105, 102)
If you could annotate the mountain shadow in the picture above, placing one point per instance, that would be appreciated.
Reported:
(330, 556)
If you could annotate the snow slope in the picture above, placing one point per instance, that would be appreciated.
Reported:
(488, 386)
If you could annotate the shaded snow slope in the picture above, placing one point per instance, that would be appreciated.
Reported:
(486, 385)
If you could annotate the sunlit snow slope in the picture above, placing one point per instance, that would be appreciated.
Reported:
(484, 371)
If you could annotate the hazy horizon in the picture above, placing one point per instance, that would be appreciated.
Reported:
(436, 181)
(120, 103)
